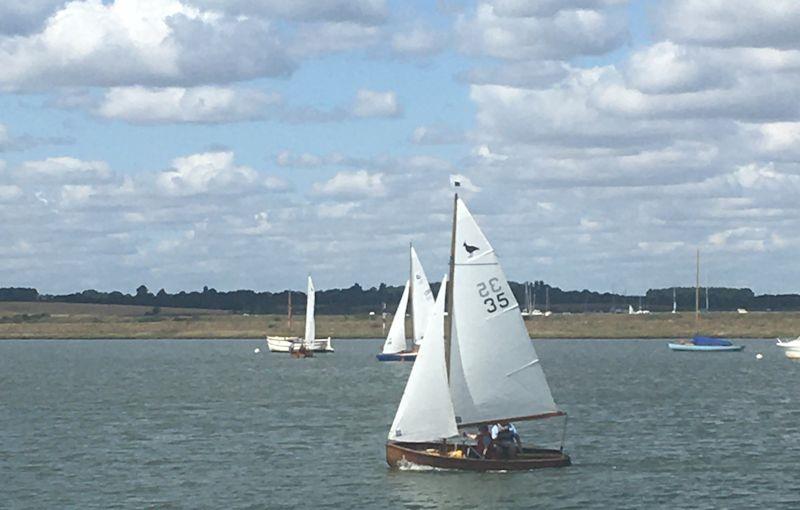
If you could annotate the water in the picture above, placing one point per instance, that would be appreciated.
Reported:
(210, 424)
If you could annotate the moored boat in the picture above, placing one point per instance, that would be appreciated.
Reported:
(479, 368)
(309, 342)
(699, 343)
(705, 344)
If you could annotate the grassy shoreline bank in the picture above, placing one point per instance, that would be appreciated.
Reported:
(19, 320)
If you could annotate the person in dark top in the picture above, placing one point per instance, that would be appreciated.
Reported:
(484, 445)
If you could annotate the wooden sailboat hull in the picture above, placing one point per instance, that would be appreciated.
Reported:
(396, 356)
(434, 455)
(706, 348)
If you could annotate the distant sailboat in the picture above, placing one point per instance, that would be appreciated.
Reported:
(419, 291)
(309, 342)
(477, 367)
(699, 343)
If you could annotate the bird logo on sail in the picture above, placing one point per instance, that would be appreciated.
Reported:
(470, 249)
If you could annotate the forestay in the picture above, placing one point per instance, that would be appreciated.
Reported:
(396, 340)
(310, 324)
(422, 298)
(425, 412)
(494, 371)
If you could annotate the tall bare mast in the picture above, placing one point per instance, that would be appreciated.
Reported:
(448, 323)
(289, 313)
(697, 293)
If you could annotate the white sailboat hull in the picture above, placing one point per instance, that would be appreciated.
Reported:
(791, 349)
(284, 344)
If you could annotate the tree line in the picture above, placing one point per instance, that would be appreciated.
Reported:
(358, 300)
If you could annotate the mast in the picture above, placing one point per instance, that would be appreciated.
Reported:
(289, 313)
(411, 291)
(697, 293)
(448, 323)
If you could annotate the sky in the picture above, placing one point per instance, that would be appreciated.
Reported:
(246, 144)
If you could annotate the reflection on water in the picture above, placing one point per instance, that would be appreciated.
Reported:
(191, 424)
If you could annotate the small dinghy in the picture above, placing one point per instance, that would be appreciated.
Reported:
(479, 368)
(791, 348)
(705, 344)
(418, 291)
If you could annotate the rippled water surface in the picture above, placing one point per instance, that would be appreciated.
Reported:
(210, 424)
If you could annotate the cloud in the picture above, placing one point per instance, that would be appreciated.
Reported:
(64, 169)
(202, 105)
(755, 23)
(417, 41)
(212, 172)
(436, 134)
(516, 34)
(352, 185)
(366, 12)
(20, 17)
(370, 103)
(141, 42)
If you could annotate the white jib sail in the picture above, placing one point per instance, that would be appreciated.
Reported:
(396, 340)
(310, 324)
(494, 371)
(425, 412)
(422, 298)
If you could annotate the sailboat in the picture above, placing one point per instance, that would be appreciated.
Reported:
(309, 342)
(419, 291)
(699, 343)
(476, 367)
(791, 347)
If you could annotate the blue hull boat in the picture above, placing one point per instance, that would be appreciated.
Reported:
(706, 344)
(706, 348)
(397, 356)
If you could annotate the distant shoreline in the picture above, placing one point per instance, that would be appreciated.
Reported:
(26, 320)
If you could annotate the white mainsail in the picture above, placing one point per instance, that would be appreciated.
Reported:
(425, 412)
(494, 371)
(396, 340)
(422, 298)
(310, 324)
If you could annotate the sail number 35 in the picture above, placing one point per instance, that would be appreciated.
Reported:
(493, 296)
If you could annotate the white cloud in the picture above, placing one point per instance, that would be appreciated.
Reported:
(350, 185)
(207, 105)
(757, 23)
(9, 192)
(370, 103)
(135, 42)
(211, 172)
(64, 169)
(436, 134)
(565, 34)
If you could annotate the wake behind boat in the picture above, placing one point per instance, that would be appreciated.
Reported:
(309, 343)
(480, 368)
(419, 291)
